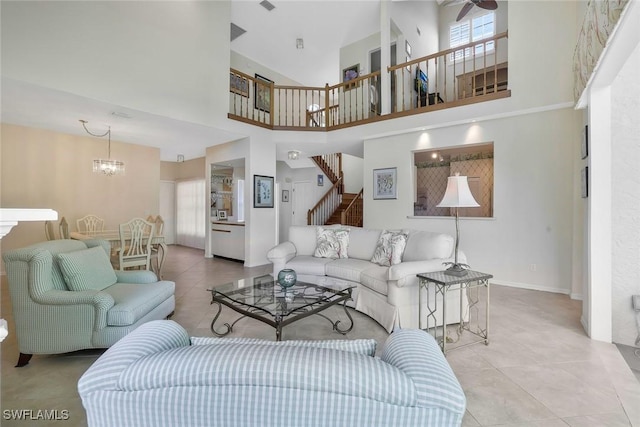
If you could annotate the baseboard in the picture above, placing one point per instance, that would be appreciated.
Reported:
(530, 287)
(575, 296)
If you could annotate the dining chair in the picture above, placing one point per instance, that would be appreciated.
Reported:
(90, 223)
(135, 244)
(156, 248)
(48, 230)
(64, 228)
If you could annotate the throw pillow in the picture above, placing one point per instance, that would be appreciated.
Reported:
(331, 242)
(87, 269)
(389, 248)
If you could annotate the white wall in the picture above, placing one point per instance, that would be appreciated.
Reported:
(534, 187)
(352, 168)
(84, 48)
(625, 128)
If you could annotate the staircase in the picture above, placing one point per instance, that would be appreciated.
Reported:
(335, 207)
(349, 212)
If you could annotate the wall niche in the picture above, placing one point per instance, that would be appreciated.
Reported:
(433, 167)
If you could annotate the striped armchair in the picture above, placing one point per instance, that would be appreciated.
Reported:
(159, 376)
(65, 296)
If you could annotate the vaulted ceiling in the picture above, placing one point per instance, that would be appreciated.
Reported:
(147, 62)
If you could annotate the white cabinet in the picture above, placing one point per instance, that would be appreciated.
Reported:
(227, 239)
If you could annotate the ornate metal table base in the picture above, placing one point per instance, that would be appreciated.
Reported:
(279, 308)
(436, 285)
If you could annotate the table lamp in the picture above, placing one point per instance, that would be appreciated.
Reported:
(457, 195)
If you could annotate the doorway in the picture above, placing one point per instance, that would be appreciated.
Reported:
(300, 202)
(374, 60)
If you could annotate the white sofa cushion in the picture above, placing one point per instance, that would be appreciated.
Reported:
(308, 264)
(347, 269)
(375, 278)
(304, 239)
(423, 245)
(362, 242)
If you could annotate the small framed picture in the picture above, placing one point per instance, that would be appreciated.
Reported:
(584, 182)
(262, 93)
(584, 146)
(239, 85)
(285, 195)
(350, 73)
(262, 191)
(222, 214)
(385, 185)
(320, 180)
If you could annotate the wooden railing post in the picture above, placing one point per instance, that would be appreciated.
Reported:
(327, 105)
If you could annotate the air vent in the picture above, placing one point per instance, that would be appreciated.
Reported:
(267, 5)
(236, 31)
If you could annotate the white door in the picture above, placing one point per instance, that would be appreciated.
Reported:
(300, 202)
(168, 210)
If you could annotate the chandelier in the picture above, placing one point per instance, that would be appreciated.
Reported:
(108, 167)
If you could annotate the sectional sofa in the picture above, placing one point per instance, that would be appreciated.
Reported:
(385, 289)
(159, 376)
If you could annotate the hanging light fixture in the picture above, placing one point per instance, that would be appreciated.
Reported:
(108, 167)
(293, 155)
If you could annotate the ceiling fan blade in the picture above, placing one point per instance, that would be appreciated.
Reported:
(465, 9)
(487, 4)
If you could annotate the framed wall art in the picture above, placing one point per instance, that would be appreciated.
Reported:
(349, 74)
(385, 184)
(262, 93)
(262, 191)
(239, 85)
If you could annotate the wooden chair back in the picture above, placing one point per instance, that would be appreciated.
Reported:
(48, 230)
(90, 223)
(135, 243)
(64, 228)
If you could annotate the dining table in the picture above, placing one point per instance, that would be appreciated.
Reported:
(113, 237)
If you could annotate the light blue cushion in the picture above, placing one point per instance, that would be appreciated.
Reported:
(87, 269)
(135, 300)
(366, 347)
(270, 367)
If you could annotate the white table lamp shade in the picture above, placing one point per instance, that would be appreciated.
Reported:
(458, 194)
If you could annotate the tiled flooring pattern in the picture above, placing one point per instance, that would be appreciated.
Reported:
(540, 369)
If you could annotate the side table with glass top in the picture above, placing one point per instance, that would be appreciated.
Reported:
(470, 286)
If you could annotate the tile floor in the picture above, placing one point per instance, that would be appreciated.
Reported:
(540, 369)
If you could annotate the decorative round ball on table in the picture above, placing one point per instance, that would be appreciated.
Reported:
(287, 278)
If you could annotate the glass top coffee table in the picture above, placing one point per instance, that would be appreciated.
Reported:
(263, 299)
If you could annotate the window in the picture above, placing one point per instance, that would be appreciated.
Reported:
(472, 30)
(191, 207)
(433, 168)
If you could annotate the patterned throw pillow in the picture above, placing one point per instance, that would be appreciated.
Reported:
(389, 248)
(87, 269)
(331, 242)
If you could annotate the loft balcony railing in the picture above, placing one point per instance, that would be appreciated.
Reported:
(467, 74)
